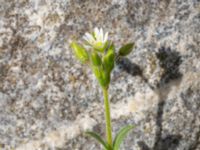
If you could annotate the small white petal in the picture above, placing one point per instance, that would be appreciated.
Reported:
(89, 37)
(98, 35)
(96, 32)
(85, 38)
(105, 37)
(101, 35)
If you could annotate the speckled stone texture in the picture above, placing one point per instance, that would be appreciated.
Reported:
(48, 99)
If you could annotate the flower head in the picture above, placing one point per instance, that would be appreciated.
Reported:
(97, 40)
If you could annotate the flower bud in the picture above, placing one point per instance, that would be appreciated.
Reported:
(80, 52)
(108, 59)
(126, 49)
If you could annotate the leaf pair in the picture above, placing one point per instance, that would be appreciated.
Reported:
(120, 136)
(117, 141)
(99, 139)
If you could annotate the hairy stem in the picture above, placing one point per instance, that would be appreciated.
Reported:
(107, 117)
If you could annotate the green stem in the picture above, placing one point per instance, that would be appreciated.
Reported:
(107, 116)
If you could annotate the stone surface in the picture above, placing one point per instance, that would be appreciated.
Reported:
(48, 99)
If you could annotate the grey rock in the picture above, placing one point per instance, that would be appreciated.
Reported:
(48, 99)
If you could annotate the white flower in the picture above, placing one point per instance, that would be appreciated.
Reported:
(97, 40)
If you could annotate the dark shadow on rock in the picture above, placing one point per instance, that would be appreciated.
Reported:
(168, 143)
(131, 68)
(143, 145)
(196, 142)
(192, 104)
(170, 61)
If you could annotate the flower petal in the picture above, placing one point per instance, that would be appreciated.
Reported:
(101, 35)
(105, 37)
(85, 38)
(96, 32)
(90, 38)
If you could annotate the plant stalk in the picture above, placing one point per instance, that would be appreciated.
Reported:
(107, 117)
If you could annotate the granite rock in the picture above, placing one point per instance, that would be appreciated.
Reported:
(48, 99)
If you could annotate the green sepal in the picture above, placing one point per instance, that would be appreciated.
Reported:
(95, 58)
(80, 52)
(126, 49)
(99, 139)
(108, 59)
(120, 136)
(97, 71)
(106, 79)
(101, 48)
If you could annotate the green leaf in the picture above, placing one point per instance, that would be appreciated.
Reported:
(99, 139)
(126, 49)
(120, 136)
(80, 52)
(95, 58)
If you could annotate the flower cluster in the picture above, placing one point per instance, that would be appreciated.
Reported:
(99, 52)
(98, 40)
